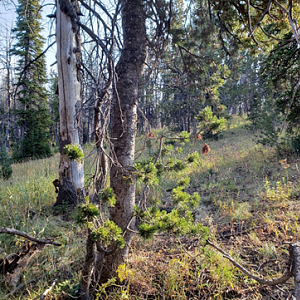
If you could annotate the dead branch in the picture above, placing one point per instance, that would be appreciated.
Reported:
(286, 274)
(223, 236)
(104, 23)
(266, 12)
(44, 295)
(25, 235)
(29, 64)
(12, 265)
(96, 39)
(19, 287)
(292, 23)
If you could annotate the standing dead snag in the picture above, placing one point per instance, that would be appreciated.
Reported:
(292, 271)
(71, 174)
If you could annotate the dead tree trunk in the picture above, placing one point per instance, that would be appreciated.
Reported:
(71, 176)
(7, 134)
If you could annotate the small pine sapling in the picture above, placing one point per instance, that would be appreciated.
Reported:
(210, 122)
(73, 152)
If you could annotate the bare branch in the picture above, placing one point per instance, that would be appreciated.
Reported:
(249, 21)
(294, 28)
(281, 7)
(286, 274)
(44, 295)
(281, 46)
(25, 235)
(86, 6)
(95, 38)
(270, 35)
(266, 12)
(29, 64)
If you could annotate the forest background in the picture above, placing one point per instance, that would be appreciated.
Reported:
(171, 72)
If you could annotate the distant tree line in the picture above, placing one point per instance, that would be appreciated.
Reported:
(198, 67)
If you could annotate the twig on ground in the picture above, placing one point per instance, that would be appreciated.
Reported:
(241, 232)
(48, 290)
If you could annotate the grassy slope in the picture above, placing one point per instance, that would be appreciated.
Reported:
(248, 217)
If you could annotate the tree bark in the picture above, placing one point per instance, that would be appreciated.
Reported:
(295, 255)
(88, 269)
(9, 94)
(71, 175)
(123, 125)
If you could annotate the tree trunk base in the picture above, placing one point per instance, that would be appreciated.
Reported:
(68, 197)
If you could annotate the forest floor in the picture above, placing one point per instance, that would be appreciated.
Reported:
(249, 202)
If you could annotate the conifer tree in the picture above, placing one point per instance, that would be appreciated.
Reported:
(193, 69)
(33, 113)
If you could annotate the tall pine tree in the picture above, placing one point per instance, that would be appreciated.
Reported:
(33, 112)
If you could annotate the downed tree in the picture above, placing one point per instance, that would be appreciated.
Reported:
(12, 265)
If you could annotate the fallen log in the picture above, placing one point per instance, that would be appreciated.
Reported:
(12, 265)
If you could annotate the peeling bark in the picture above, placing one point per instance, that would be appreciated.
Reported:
(68, 62)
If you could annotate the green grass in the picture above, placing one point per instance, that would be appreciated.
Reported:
(249, 201)
(26, 201)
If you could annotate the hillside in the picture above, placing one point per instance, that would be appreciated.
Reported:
(249, 202)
